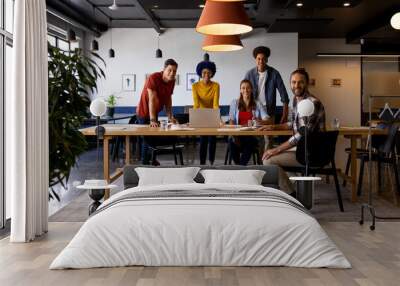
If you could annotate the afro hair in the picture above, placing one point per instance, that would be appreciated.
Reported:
(262, 50)
(206, 65)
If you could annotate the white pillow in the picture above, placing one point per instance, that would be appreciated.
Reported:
(166, 176)
(248, 177)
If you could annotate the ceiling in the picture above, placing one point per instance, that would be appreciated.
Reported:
(367, 19)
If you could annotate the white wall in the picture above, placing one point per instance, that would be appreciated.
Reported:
(135, 54)
(342, 102)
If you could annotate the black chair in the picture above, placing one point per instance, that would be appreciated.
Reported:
(182, 118)
(171, 145)
(385, 154)
(175, 149)
(376, 142)
(321, 147)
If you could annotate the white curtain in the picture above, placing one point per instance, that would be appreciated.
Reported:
(27, 123)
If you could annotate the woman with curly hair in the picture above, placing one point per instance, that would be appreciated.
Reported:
(206, 95)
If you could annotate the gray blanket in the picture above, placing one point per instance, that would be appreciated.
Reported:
(206, 194)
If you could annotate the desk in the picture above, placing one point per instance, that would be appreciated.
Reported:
(127, 130)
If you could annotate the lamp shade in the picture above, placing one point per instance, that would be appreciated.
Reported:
(113, 7)
(158, 53)
(71, 36)
(94, 45)
(111, 53)
(98, 107)
(305, 108)
(223, 18)
(395, 21)
(214, 43)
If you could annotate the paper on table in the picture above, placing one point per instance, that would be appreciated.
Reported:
(237, 129)
(115, 128)
(180, 128)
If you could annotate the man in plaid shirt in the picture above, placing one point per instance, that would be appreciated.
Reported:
(282, 155)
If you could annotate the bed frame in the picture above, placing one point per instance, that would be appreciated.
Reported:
(270, 179)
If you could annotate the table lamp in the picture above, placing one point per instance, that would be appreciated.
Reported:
(97, 187)
(305, 108)
(305, 185)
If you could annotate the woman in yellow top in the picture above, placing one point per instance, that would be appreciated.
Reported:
(206, 95)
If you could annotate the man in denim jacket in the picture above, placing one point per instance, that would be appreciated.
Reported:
(266, 80)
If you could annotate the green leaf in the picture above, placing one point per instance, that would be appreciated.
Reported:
(70, 79)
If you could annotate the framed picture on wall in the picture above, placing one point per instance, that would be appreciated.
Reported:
(191, 78)
(336, 82)
(129, 82)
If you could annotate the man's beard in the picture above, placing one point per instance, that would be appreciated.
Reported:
(301, 94)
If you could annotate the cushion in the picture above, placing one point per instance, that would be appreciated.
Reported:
(271, 177)
(248, 177)
(163, 176)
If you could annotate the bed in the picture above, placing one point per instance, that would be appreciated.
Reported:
(197, 224)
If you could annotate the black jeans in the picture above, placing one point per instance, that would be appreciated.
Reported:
(241, 148)
(211, 143)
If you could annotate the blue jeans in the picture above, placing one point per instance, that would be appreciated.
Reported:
(211, 143)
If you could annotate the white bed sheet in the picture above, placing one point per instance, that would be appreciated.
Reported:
(200, 232)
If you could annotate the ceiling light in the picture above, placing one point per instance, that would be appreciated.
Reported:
(223, 18)
(71, 36)
(213, 43)
(201, 6)
(346, 4)
(111, 52)
(299, 4)
(155, 6)
(395, 21)
(158, 51)
(94, 45)
(114, 6)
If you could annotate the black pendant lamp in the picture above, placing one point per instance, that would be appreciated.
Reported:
(111, 52)
(206, 57)
(71, 36)
(158, 51)
(94, 46)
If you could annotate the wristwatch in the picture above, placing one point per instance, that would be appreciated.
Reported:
(153, 120)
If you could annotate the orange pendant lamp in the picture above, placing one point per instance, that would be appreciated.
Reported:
(213, 43)
(223, 18)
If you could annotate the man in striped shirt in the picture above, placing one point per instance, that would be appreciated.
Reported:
(284, 155)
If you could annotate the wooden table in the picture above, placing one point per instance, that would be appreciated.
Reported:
(127, 130)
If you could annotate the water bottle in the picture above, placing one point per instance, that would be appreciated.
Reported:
(335, 123)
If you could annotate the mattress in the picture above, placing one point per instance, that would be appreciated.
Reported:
(201, 225)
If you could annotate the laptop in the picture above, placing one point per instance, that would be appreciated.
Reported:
(204, 118)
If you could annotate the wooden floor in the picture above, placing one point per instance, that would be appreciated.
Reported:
(375, 257)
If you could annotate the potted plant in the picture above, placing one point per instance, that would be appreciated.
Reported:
(111, 101)
(71, 76)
